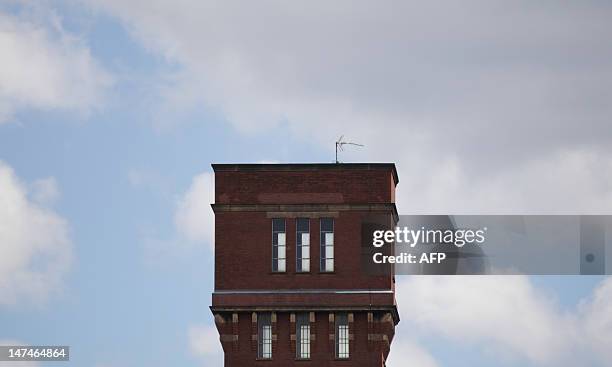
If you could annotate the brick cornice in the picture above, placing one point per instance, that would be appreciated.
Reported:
(304, 208)
(293, 167)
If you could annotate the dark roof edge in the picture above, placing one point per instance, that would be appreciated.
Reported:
(220, 167)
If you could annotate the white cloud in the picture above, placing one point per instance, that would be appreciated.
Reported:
(507, 315)
(34, 243)
(45, 67)
(45, 191)
(501, 311)
(485, 106)
(406, 351)
(565, 182)
(194, 218)
(463, 99)
(194, 222)
(204, 343)
(597, 320)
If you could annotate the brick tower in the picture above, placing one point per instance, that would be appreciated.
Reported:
(290, 284)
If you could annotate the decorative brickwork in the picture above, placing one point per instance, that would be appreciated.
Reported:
(235, 332)
(332, 334)
(293, 337)
(254, 331)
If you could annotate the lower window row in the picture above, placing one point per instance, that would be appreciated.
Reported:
(302, 334)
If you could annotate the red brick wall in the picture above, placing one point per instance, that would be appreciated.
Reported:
(363, 353)
(243, 255)
(326, 186)
(243, 260)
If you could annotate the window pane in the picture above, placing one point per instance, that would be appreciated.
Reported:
(305, 265)
(267, 342)
(303, 224)
(278, 244)
(302, 242)
(278, 225)
(305, 341)
(303, 335)
(327, 244)
(327, 224)
(264, 332)
(281, 265)
(342, 336)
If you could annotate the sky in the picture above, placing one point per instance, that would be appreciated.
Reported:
(111, 113)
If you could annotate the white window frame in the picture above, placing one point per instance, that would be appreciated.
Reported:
(302, 242)
(327, 246)
(302, 326)
(279, 247)
(342, 339)
(264, 336)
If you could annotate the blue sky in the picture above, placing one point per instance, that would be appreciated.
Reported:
(112, 112)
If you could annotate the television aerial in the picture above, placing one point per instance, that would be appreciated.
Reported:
(340, 143)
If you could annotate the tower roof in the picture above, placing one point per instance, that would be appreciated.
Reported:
(220, 167)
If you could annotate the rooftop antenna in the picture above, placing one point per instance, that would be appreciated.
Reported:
(340, 143)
